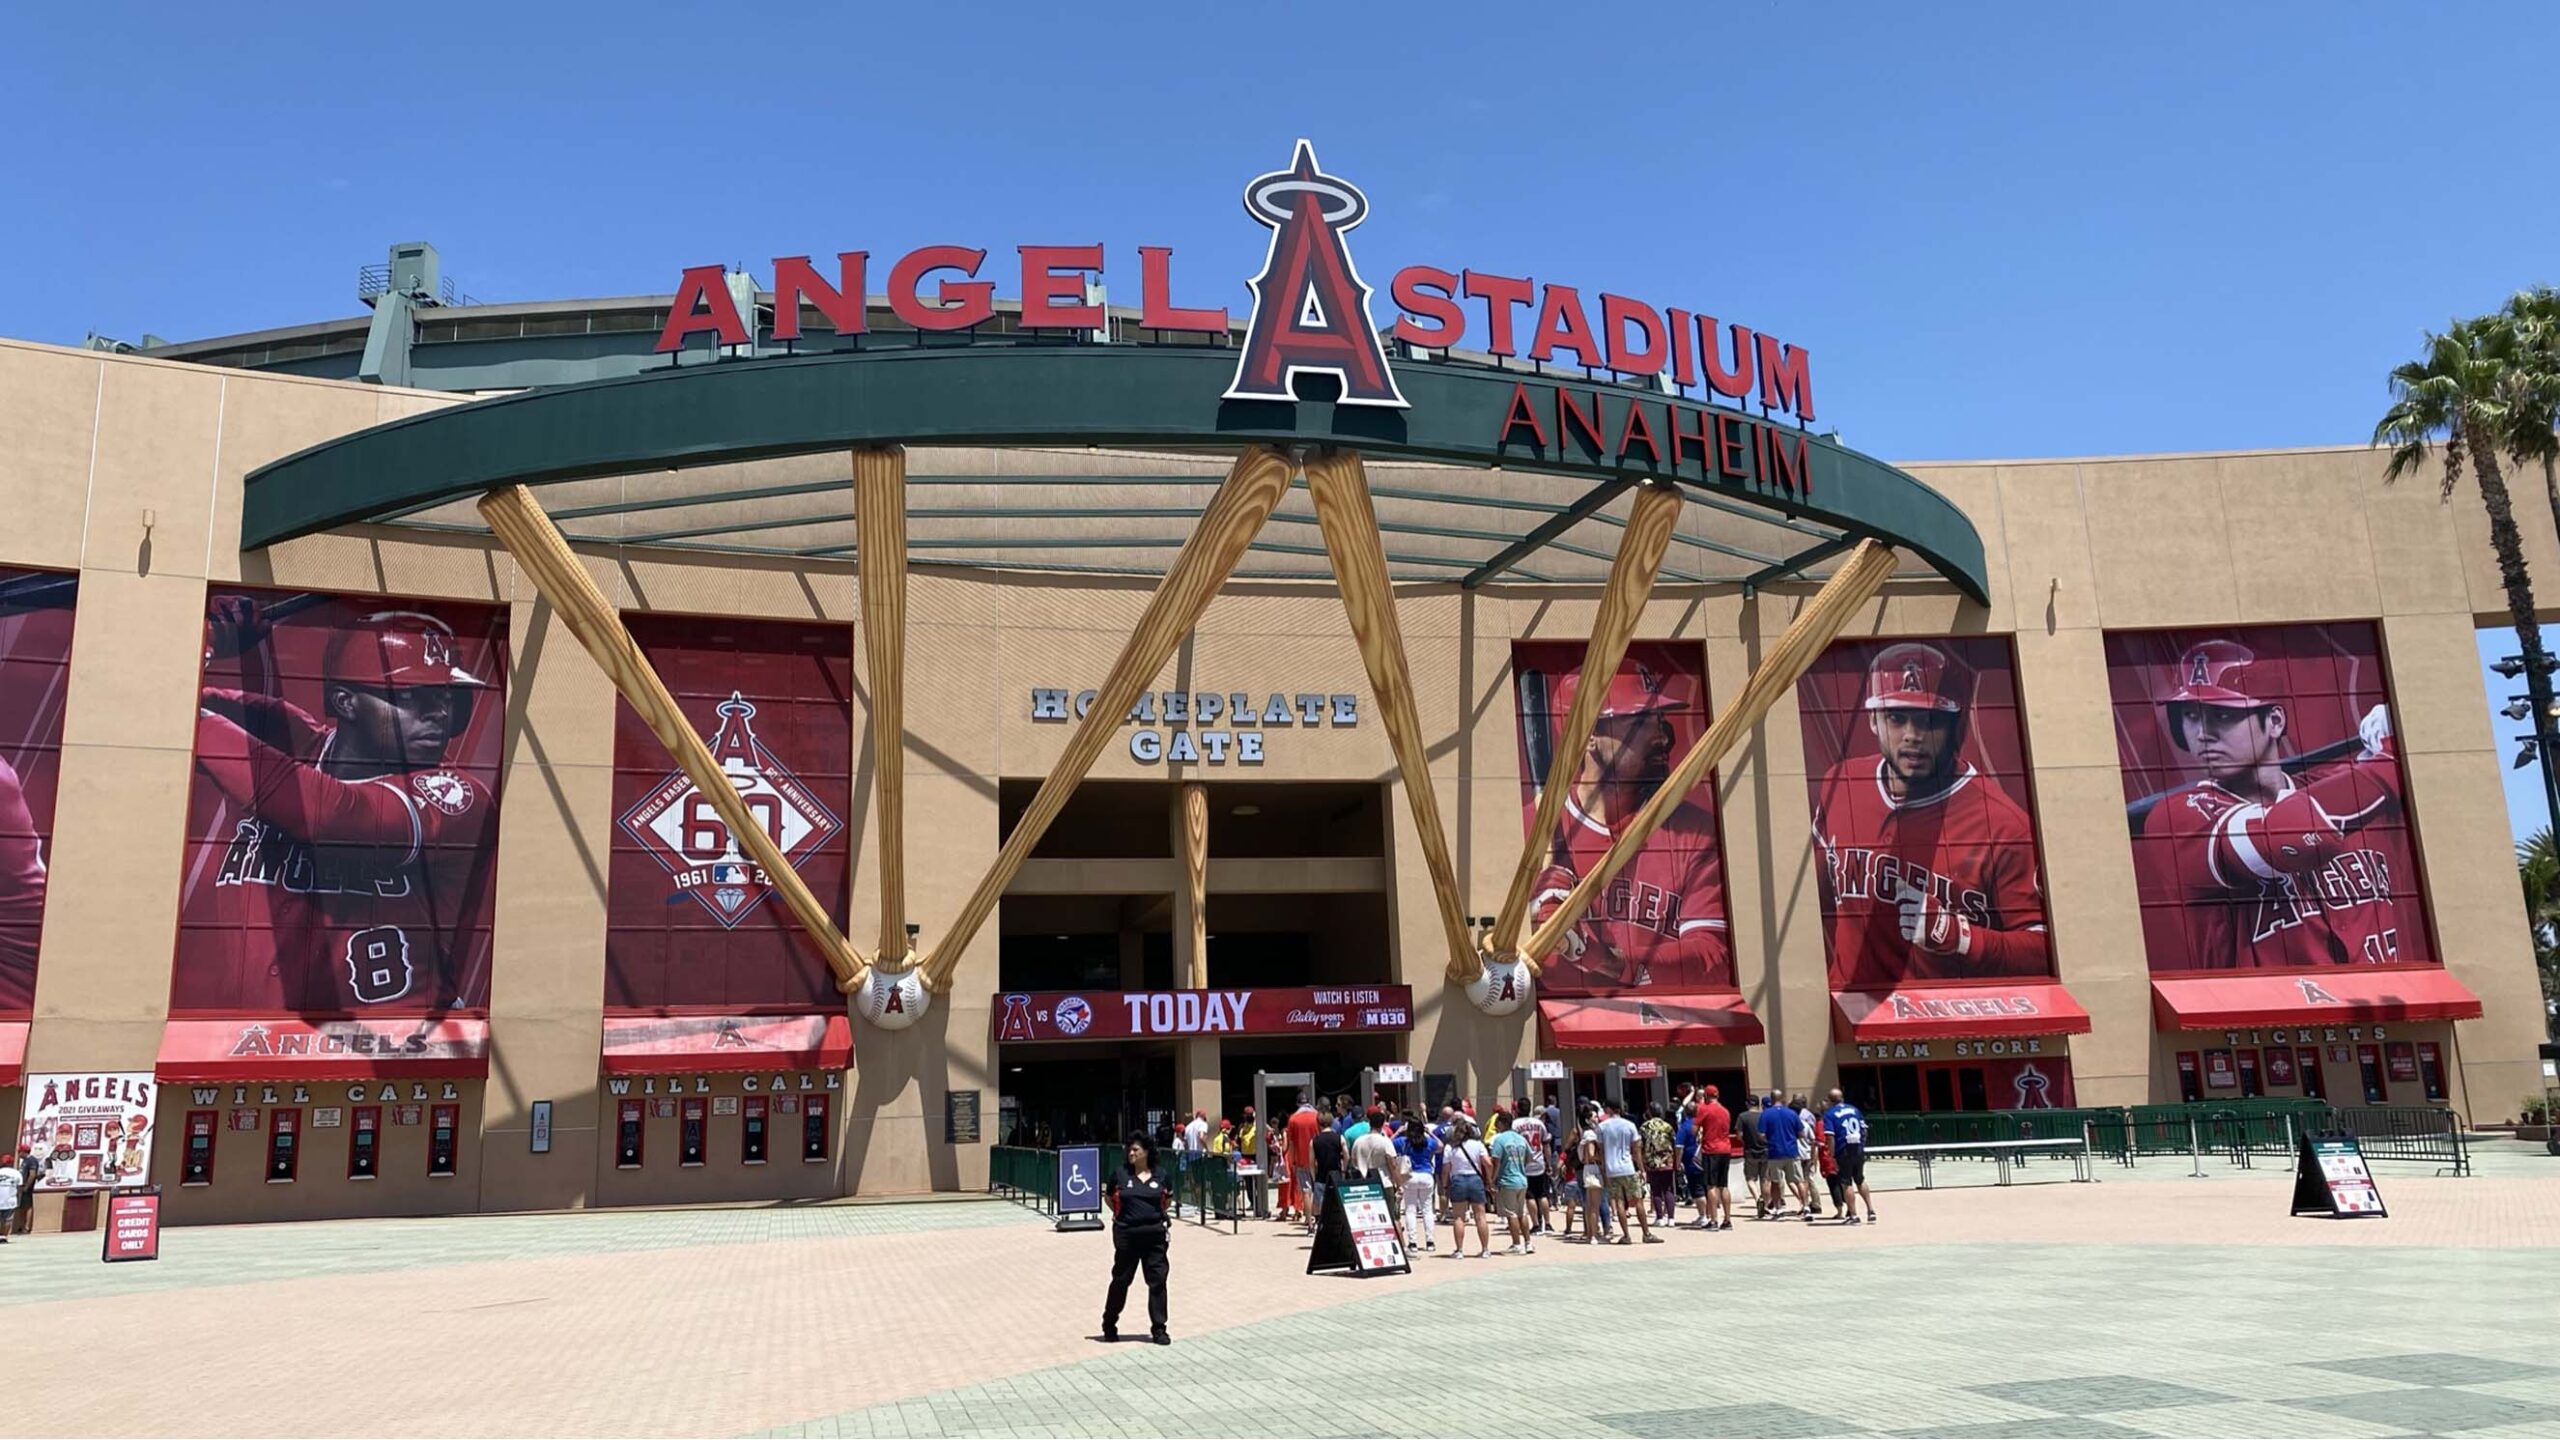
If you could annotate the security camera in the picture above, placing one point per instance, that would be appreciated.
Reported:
(2511, 667)
(2516, 709)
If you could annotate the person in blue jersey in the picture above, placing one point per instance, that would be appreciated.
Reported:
(1783, 1128)
(1848, 1126)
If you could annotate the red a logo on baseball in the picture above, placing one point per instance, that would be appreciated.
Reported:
(1310, 306)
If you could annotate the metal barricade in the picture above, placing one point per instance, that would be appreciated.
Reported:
(2421, 1133)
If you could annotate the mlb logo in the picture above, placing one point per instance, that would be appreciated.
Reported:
(728, 874)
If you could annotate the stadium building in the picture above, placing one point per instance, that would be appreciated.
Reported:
(778, 739)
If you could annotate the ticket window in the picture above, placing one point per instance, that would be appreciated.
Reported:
(284, 1147)
(2308, 1063)
(2249, 1085)
(2431, 1069)
(813, 1129)
(752, 1136)
(444, 1139)
(690, 1147)
(2190, 1076)
(364, 1144)
(630, 1135)
(195, 1167)
(2369, 1065)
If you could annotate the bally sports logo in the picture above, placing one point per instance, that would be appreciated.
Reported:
(686, 836)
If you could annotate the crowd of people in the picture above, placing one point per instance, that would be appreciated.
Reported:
(1526, 1171)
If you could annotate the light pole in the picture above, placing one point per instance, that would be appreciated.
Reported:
(2537, 705)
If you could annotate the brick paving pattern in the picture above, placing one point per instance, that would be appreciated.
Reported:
(2108, 1309)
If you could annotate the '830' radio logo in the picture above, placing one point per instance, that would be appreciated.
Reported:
(677, 825)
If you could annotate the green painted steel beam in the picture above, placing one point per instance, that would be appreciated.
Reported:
(1135, 396)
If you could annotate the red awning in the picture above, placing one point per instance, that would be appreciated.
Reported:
(2320, 997)
(13, 1051)
(703, 1044)
(1958, 1012)
(1645, 1022)
(284, 1048)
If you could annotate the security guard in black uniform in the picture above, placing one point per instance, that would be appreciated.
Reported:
(1143, 1204)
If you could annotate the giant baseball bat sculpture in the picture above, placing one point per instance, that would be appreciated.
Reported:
(880, 535)
(1348, 515)
(1850, 587)
(1631, 577)
(1253, 486)
(1193, 837)
(537, 546)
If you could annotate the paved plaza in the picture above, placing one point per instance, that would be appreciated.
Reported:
(2146, 1304)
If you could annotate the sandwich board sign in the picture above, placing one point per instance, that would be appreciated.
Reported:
(1357, 1232)
(2330, 1178)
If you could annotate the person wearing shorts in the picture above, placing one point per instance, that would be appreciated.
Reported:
(1510, 1151)
(1755, 1156)
(1715, 1159)
(1848, 1126)
(1533, 1129)
(1466, 1167)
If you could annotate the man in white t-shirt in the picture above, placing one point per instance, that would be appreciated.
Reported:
(1628, 1192)
(1526, 1123)
(1195, 1136)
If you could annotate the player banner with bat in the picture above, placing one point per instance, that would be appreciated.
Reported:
(694, 922)
(2264, 790)
(1922, 815)
(35, 664)
(342, 821)
(1660, 924)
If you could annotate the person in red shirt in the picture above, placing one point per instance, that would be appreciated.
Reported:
(1661, 919)
(1716, 1149)
(1300, 1136)
(1929, 869)
(2273, 868)
(351, 864)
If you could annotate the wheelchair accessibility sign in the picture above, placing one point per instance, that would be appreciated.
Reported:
(1080, 1188)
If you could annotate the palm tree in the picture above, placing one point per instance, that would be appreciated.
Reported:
(2535, 386)
(2538, 869)
(2474, 392)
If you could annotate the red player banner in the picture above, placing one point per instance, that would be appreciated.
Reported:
(342, 823)
(1661, 924)
(1922, 816)
(694, 923)
(35, 667)
(2264, 788)
(1122, 1014)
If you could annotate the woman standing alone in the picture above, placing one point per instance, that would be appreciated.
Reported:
(1141, 1204)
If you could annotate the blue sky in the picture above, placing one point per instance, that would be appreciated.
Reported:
(2024, 229)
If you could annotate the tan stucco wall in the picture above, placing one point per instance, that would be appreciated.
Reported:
(129, 471)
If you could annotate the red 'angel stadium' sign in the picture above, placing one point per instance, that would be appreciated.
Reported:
(1310, 308)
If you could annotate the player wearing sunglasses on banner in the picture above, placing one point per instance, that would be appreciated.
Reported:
(366, 851)
(1660, 921)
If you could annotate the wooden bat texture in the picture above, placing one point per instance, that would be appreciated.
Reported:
(517, 518)
(1850, 587)
(1631, 577)
(880, 536)
(1339, 484)
(1194, 839)
(1245, 499)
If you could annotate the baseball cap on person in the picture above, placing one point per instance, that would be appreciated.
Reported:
(1914, 676)
(1713, 1092)
(2224, 674)
(1635, 690)
(394, 649)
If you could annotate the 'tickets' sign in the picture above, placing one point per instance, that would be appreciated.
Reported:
(1310, 316)
(1121, 1014)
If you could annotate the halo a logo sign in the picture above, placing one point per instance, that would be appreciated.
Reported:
(1073, 1016)
(677, 825)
